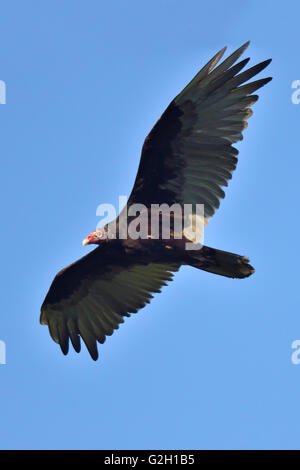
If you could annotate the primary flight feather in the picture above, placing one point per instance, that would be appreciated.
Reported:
(187, 158)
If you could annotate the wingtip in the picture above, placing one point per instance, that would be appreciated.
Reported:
(267, 62)
(76, 346)
(64, 348)
(267, 80)
(222, 52)
(242, 49)
(94, 356)
(217, 57)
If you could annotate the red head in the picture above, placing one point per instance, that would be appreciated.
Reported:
(95, 237)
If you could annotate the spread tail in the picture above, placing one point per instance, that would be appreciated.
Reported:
(220, 262)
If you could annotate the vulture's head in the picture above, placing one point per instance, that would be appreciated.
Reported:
(95, 237)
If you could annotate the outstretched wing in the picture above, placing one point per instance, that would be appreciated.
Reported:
(188, 156)
(90, 297)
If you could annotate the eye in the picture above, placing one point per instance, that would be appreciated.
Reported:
(98, 234)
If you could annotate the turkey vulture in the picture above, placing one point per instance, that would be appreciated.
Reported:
(186, 159)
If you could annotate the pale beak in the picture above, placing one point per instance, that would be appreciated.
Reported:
(85, 242)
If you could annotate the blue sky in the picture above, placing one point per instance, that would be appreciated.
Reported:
(207, 365)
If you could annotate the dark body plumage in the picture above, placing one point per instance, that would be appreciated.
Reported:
(187, 158)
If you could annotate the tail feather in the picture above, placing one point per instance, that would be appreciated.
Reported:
(221, 262)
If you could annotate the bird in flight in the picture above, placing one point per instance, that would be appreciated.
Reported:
(187, 158)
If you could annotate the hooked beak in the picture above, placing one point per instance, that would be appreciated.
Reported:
(85, 242)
